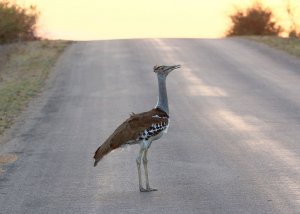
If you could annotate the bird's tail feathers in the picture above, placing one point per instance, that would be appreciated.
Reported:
(103, 150)
(96, 162)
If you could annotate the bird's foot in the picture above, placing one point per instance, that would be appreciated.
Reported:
(147, 190)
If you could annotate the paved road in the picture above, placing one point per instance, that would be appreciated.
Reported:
(232, 147)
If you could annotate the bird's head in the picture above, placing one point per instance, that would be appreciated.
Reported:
(164, 69)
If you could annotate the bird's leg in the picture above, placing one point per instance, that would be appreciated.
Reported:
(145, 161)
(138, 163)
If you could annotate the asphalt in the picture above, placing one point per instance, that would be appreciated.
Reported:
(232, 146)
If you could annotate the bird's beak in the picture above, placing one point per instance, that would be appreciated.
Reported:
(174, 67)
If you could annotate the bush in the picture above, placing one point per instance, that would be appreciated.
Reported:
(294, 29)
(17, 23)
(294, 34)
(255, 20)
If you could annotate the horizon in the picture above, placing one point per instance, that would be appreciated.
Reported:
(101, 20)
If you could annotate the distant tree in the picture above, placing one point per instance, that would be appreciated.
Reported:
(255, 20)
(17, 23)
(294, 30)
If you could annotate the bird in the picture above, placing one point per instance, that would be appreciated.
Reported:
(142, 128)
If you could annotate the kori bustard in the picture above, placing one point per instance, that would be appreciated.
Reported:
(142, 128)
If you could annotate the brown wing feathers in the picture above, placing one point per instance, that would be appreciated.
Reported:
(130, 130)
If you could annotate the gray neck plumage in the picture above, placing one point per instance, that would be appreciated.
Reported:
(162, 102)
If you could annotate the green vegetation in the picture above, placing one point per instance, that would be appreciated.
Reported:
(255, 20)
(17, 23)
(24, 68)
(290, 45)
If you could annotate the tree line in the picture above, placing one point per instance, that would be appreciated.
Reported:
(19, 23)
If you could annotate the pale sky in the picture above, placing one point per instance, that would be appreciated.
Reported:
(112, 19)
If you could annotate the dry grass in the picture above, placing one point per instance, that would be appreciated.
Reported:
(24, 69)
(290, 45)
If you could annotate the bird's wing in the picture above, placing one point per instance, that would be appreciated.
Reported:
(130, 131)
(134, 126)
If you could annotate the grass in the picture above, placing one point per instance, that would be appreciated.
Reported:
(290, 45)
(24, 67)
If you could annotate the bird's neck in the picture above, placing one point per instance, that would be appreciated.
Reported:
(162, 102)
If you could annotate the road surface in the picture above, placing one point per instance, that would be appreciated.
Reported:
(232, 147)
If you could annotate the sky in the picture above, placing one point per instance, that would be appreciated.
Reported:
(114, 19)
